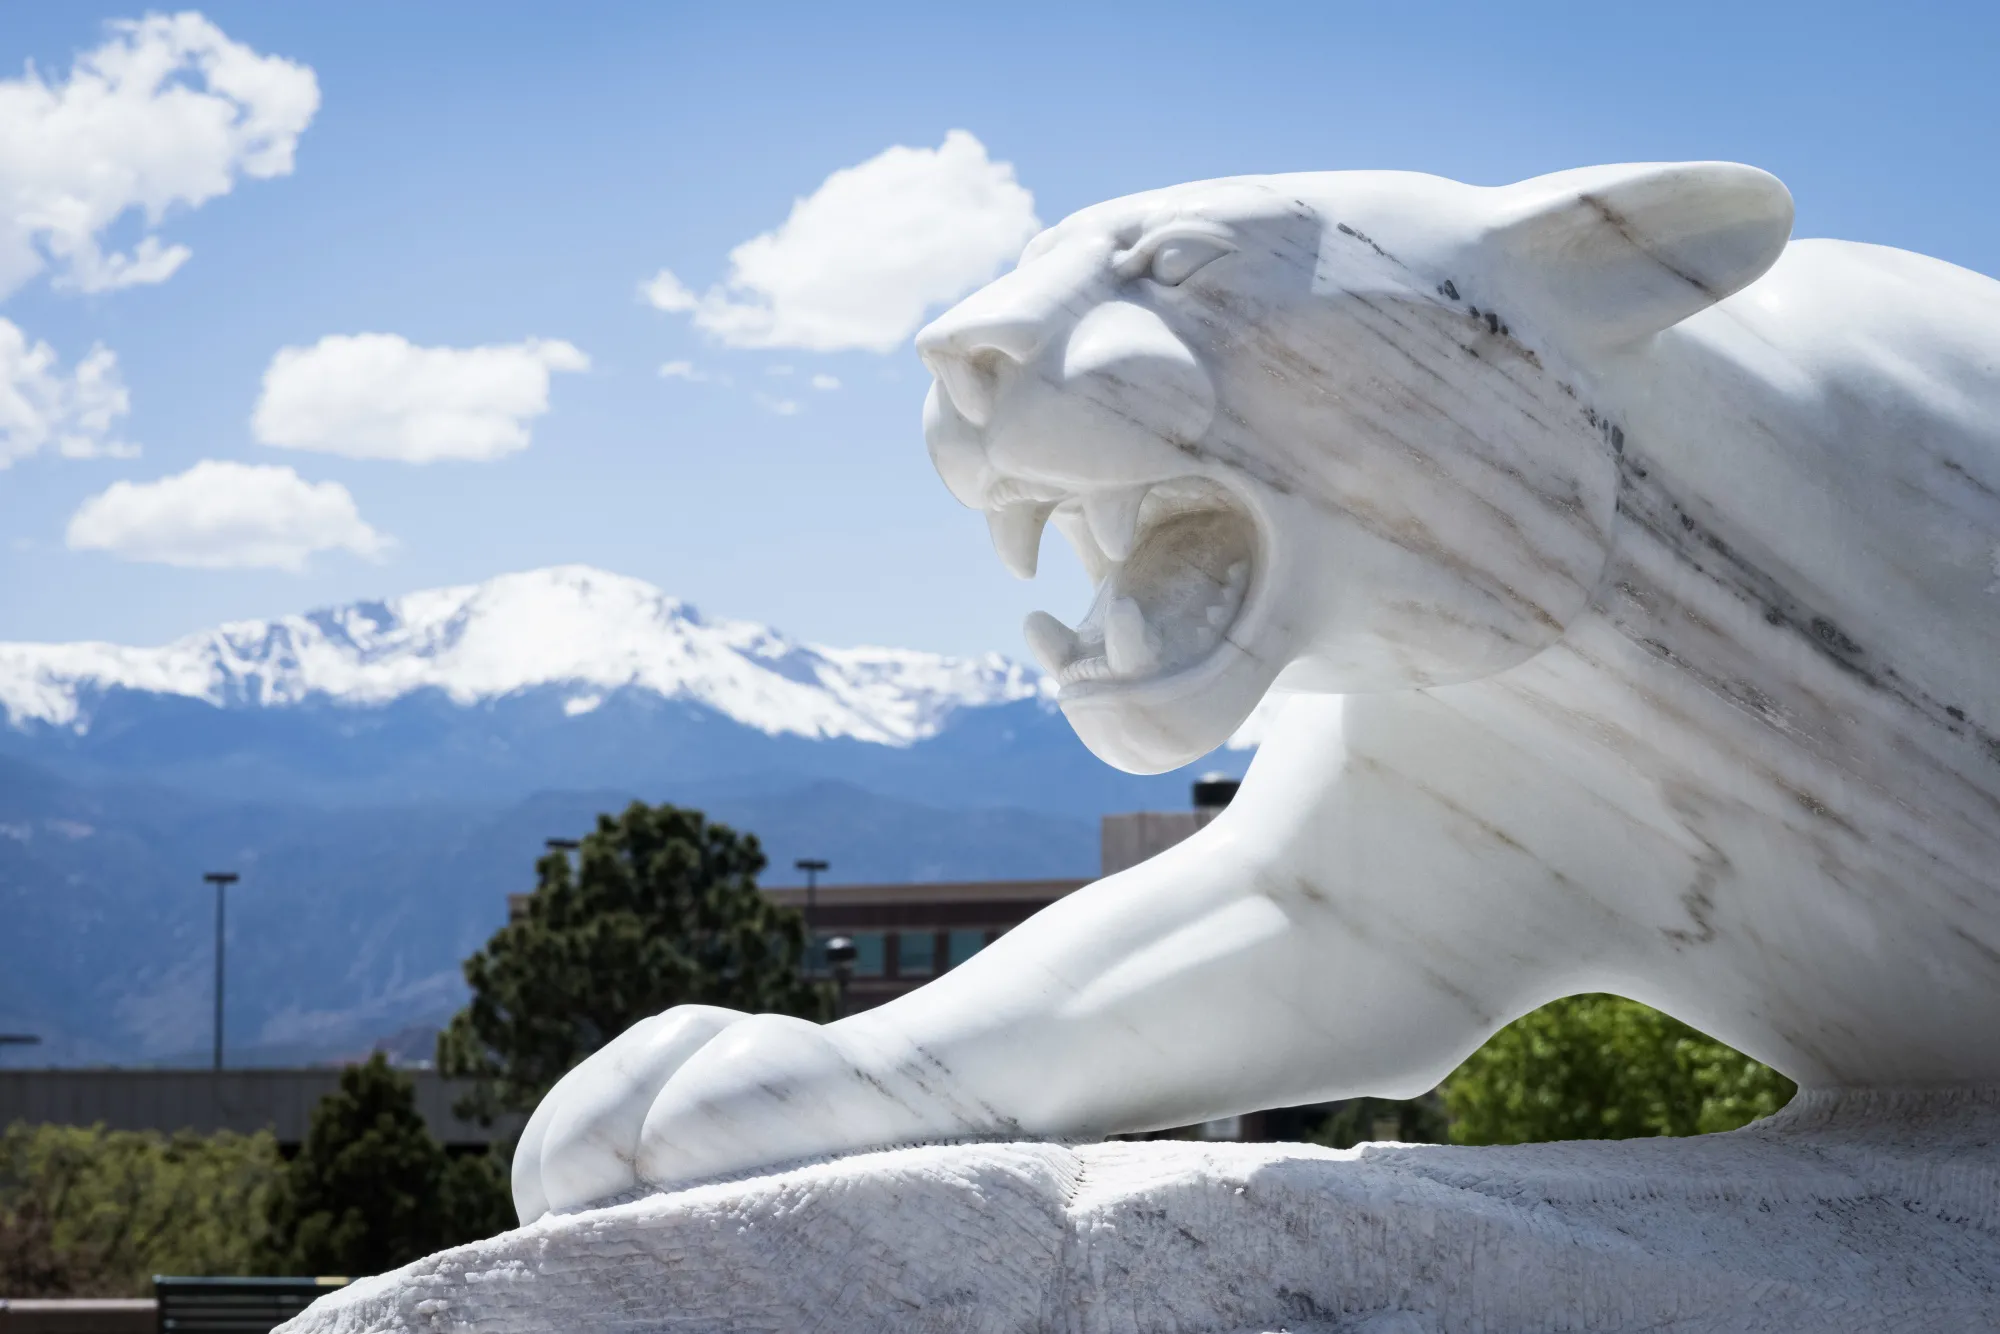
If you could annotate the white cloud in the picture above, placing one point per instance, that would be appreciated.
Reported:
(168, 111)
(682, 370)
(668, 293)
(783, 407)
(862, 259)
(219, 515)
(825, 382)
(41, 406)
(380, 396)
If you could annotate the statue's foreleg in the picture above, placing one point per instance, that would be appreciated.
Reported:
(1339, 931)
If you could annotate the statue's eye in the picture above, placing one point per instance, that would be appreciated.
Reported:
(1180, 258)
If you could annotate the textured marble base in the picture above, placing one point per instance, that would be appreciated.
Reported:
(1863, 1213)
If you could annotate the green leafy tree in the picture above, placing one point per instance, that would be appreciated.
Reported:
(371, 1189)
(1602, 1067)
(664, 910)
(90, 1212)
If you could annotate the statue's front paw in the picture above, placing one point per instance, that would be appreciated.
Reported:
(699, 1093)
(581, 1143)
(773, 1090)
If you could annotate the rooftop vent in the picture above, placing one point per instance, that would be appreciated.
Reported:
(1213, 791)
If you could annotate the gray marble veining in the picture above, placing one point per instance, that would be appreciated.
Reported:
(1622, 577)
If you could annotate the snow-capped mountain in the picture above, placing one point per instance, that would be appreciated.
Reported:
(582, 631)
(564, 678)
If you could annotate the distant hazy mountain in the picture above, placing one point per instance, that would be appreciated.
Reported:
(350, 923)
(383, 775)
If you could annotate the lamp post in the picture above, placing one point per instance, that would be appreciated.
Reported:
(840, 953)
(222, 880)
(562, 844)
(812, 866)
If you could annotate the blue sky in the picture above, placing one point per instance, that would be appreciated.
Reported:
(475, 176)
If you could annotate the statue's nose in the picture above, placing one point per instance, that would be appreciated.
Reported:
(973, 352)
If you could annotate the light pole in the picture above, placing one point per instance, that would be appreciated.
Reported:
(840, 953)
(562, 844)
(222, 880)
(812, 866)
(20, 1039)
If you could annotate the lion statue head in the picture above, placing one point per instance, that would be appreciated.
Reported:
(1339, 431)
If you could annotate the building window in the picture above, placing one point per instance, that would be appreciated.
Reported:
(868, 953)
(916, 953)
(965, 944)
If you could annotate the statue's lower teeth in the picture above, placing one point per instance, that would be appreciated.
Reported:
(1054, 644)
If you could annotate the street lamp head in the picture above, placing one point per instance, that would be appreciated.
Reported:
(221, 877)
(840, 954)
(810, 864)
(562, 844)
(20, 1039)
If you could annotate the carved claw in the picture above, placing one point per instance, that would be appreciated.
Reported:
(582, 1142)
(773, 1090)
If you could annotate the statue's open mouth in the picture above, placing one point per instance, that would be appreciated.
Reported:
(1173, 562)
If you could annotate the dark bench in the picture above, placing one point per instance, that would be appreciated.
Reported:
(234, 1305)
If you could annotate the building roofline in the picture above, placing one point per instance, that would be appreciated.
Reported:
(948, 891)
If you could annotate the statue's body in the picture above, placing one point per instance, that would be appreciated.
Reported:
(1631, 583)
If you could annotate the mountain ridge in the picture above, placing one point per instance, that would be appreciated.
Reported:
(569, 625)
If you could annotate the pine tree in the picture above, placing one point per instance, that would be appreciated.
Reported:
(372, 1189)
(662, 910)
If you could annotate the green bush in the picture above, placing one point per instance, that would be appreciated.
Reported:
(1602, 1067)
(90, 1212)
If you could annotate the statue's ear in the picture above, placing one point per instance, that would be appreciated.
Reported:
(1609, 255)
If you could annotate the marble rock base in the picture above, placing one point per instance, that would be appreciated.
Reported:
(1861, 1212)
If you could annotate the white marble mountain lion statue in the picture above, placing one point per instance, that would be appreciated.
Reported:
(1625, 580)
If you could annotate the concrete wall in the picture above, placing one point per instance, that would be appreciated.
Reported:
(205, 1100)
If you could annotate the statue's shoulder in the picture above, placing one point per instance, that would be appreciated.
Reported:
(1837, 424)
(1872, 326)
